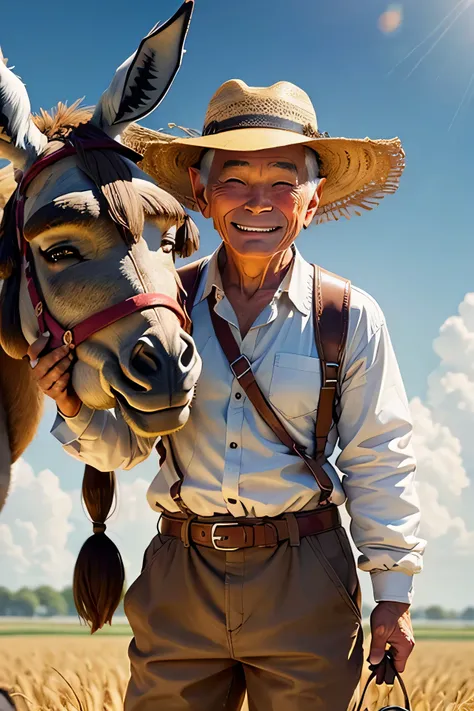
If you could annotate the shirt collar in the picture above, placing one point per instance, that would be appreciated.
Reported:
(210, 278)
(297, 283)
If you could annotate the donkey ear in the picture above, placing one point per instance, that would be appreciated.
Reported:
(143, 80)
(20, 140)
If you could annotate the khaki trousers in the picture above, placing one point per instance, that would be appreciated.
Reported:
(282, 623)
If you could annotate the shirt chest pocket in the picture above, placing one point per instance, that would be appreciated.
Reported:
(295, 384)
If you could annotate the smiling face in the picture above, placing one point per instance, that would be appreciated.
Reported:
(258, 200)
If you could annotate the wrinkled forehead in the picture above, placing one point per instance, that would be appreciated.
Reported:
(284, 157)
(63, 182)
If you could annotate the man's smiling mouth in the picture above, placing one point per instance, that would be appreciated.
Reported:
(244, 228)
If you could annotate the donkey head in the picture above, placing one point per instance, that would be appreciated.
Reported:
(93, 231)
(101, 231)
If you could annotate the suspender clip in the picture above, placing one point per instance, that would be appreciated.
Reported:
(329, 381)
(240, 366)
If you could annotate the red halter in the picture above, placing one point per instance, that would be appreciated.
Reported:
(101, 319)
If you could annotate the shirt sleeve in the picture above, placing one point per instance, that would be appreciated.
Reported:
(378, 463)
(102, 439)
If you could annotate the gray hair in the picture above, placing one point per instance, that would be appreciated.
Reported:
(206, 165)
(310, 158)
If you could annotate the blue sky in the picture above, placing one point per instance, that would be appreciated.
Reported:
(413, 254)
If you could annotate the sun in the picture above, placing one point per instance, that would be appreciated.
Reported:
(391, 20)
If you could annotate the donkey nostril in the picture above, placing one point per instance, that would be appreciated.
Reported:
(145, 359)
(187, 352)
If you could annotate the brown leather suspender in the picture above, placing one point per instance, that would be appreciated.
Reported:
(331, 315)
(331, 318)
(331, 300)
(190, 277)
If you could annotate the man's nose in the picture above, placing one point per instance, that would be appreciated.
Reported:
(259, 201)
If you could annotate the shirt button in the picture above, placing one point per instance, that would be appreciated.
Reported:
(233, 445)
(238, 396)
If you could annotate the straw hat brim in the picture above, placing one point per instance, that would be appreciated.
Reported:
(359, 172)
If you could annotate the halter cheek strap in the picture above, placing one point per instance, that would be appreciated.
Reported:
(100, 320)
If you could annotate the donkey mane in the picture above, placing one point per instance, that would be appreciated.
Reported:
(62, 119)
(110, 173)
(55, 124)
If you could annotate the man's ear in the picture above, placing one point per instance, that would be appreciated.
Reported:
(199, 191)
(314, 203)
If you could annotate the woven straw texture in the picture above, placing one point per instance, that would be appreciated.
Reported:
(359, 172)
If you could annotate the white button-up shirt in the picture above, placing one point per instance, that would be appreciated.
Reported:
(233, 462)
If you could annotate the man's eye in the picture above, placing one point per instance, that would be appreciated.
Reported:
(234, 180)
(60, 254)
(283, 182)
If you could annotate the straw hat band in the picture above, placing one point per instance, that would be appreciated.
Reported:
(359, 172)
(260, 121)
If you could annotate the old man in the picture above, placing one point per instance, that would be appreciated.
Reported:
(250, 583)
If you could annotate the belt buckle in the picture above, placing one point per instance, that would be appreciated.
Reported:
(215, 538)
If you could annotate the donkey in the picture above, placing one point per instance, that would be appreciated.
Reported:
(87, 246)
(6, 701)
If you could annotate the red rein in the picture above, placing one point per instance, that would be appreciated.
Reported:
(100, 320)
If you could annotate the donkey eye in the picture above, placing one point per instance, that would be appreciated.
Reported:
(60, 254)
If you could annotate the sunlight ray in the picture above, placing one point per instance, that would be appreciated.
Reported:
(461, 104)
(466, 3)
(439, 38)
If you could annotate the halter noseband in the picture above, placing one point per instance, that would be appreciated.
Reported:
(100, 320)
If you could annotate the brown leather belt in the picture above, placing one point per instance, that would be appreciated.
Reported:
(227, 534)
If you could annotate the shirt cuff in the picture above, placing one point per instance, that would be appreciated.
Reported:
(69, 429)
(392, 586)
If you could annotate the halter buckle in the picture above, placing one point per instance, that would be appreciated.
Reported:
(39, 309)
(67, 338)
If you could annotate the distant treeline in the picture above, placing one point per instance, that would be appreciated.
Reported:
(48, 602)
(433, 612)
(45, 601)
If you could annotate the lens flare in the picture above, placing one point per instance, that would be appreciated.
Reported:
(391, 19)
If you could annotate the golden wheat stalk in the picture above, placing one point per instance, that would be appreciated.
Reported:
(90, 674)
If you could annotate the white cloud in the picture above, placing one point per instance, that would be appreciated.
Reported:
(437, 520)
(34, 530)
(443, 431)
(438, 451)
(43, 527)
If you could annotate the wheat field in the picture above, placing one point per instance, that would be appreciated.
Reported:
(48, 673)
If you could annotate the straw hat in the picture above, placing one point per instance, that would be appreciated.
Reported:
(359, 172)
